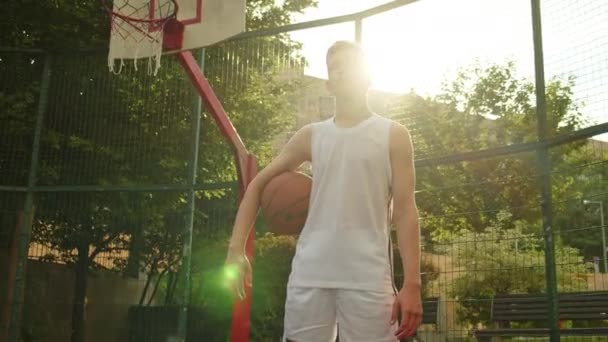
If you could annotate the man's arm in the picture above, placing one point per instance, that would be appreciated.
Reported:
(405, 211)
(405, 218)
(295, 152)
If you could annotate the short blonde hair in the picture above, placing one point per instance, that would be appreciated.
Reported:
(346, 45)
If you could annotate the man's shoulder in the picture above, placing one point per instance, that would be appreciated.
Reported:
(400, 139)
(391, 121)
(320, 124)
(323, 121)
(396, 126)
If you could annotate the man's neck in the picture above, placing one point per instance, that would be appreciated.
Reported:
(350, 112)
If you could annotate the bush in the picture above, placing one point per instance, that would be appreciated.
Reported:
(272, 265)
(503, 260)
(428, 273)
(273, 255)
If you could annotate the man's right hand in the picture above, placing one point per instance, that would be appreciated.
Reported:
(237, 273)
(237, 269)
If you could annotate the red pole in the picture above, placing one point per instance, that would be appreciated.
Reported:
(241, 310)
(246, 167)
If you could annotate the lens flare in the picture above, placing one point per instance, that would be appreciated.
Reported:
(231, 273)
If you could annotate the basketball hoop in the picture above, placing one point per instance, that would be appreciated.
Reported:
(142, 28)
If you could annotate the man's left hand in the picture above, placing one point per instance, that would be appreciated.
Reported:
(409, 304)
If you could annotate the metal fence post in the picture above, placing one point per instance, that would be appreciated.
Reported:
(545, 168)
(24, 229)
(188, 228)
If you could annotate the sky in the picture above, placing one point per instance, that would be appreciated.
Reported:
(420, 45)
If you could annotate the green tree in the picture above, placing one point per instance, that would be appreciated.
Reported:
(270, 273)
(54, 25)
(503, 260)
(484, 107)
(132, 129)
(583, 176)
(19, 73)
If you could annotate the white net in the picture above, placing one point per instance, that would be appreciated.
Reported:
(137, 32)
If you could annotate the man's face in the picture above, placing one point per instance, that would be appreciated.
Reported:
(347, 73)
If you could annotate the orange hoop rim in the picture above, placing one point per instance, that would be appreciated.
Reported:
(109, 7)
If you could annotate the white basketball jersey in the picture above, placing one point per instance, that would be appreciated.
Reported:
(345, 241)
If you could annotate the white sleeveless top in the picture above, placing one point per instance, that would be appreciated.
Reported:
(345, 241)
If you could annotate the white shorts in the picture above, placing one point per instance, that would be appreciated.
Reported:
(318, 315)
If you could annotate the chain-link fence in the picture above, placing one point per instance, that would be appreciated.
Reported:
(95, 167)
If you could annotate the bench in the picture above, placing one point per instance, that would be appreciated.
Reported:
(577, 306)
(430, 309)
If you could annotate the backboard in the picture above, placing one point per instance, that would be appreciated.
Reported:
(139, 27)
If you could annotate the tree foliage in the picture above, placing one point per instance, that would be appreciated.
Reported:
(583, 176)
(503, 260)
(485, 214)
(482, 108)
(270, 273)
(129, 129)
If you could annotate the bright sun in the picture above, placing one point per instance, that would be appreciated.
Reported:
(407, 50)
(421, 45)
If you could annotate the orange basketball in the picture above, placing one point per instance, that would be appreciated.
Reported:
(285, 203)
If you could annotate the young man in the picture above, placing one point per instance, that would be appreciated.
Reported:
(341, 274)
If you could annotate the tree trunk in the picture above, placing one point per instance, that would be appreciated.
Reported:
(170, 288)
(142, 298)
(153, 271)
(158, 279)
(12, 258)
(134, 260)
(80, 293)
